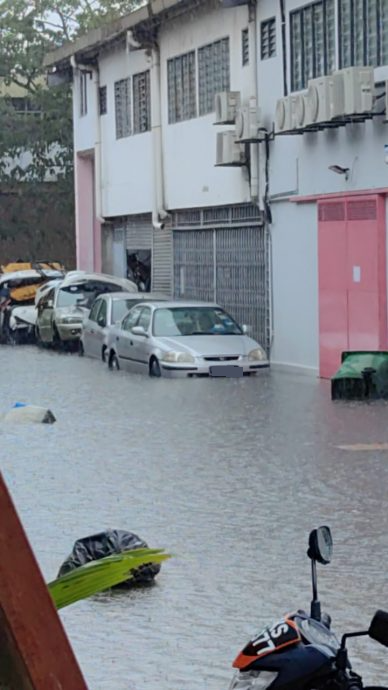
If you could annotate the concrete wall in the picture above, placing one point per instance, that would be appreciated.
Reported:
(295, 285)
(190, 147)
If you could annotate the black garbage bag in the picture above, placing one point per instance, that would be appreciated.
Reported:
(107, 543)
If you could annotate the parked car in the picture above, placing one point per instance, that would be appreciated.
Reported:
(182, 339)
(62, 309)
(17, 294)
(106, 311)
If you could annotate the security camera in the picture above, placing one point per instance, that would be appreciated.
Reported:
(159, 226)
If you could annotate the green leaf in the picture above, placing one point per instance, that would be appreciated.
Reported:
(100, 575)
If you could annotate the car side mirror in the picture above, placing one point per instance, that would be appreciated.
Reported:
(246, 329)
(139, 330)
(101, 322)
(50, 304)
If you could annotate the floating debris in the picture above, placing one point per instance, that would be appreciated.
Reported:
(365, 446)
(21, 413)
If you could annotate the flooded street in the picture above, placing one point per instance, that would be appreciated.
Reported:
(229, 475)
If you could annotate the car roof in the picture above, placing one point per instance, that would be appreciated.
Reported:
(140, 296)
(184, 304)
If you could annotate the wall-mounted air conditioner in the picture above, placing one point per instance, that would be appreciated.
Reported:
(226, 105)
(247, 123)
(359, 90)
(290, 112)
(229, 152)
(283, 116)
(324, 99)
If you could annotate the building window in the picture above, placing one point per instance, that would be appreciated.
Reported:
(363, 32)
(123, 108)
(245, 46)
(83, 93)
(312, 31)
(102, 98)
(268, 38)
(182, 104)
(141, 103)
(213, 73)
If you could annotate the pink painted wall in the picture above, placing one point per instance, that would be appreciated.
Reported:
(352, 277)
(88, 228)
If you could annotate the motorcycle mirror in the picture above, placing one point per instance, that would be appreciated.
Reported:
(378, 629)
(320, 545)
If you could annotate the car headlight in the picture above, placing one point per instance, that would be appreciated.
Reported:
(252, 680)
(183, 357)
(71, 319)
(258, 355)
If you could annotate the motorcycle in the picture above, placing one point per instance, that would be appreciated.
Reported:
(300, 651)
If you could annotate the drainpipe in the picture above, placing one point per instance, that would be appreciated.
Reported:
(159, 214)
(98, 152)
(254, 148)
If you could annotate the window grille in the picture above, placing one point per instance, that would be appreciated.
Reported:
(213, 73)
(123, 108)
(181, 76)
(141, 103)
(268, 38)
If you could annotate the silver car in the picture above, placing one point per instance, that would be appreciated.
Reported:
(106, 311)
(183, 339)
(63, 308)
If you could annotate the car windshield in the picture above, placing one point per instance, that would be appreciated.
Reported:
(68, 297)
(181, 321)
(120, 308)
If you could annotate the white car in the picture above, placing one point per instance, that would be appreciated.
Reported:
(63, 308)
(183, 339)
(106, 311)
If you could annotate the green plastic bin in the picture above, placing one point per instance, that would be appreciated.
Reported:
(362, 375)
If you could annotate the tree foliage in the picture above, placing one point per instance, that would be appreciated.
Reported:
(38, 142)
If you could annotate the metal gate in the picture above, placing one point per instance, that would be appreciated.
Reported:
(227, 263)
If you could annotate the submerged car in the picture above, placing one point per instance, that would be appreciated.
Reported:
(106, 311)
(63, 308)
(182, 339)
(18, 290)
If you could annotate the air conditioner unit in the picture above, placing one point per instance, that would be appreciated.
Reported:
(290, 111)
(226, 106)
(229, 152)
(283, 117)
(359, 89)
(247, 123)
(324, 99)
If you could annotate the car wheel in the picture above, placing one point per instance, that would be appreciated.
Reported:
(104, 355)
(155, 368)
(114, 362)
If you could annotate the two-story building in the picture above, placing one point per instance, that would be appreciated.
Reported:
(146, 178)
(270, 198)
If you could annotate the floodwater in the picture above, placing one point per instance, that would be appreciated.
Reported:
(229, 475)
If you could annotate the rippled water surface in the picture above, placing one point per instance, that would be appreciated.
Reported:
(229, 475)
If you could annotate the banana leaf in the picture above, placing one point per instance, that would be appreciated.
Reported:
(100, 575)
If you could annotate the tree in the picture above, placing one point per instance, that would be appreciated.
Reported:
(36, 129)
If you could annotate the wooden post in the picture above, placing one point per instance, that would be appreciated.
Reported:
(35, 653)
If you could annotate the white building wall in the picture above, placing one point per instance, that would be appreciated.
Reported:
(299, 166)
(127, 163)
(84, 125)
(295, 286)
(190, 146)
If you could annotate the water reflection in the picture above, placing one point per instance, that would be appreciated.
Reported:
(229, 475)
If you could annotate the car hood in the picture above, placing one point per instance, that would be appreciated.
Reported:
(81, 312)
(207, 345)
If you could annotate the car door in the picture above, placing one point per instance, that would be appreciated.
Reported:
(45, 316)
(89, 329)
(101, 326)
(141, 344)
(124, 339)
